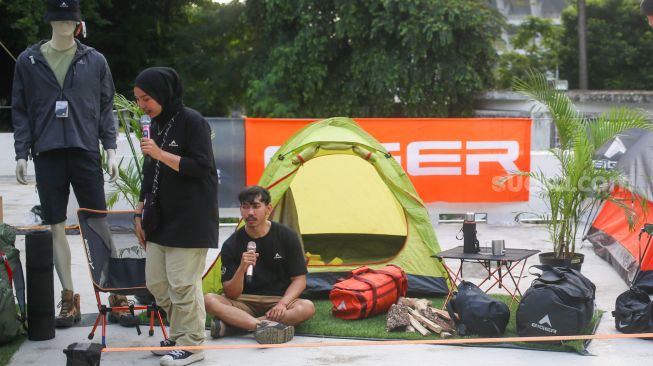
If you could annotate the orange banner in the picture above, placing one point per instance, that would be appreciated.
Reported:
(447, 159)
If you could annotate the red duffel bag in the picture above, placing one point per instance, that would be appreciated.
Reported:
(367, 292)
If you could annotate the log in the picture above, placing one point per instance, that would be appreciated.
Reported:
(441, 313)
(407, 301)
(416, 324)
(410, 329)
(429, 324)
(413, 302)
(422, 304)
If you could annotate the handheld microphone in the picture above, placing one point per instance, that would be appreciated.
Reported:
(146, 121)
(251, 246)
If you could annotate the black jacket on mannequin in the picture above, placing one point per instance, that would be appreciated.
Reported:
(88, 89)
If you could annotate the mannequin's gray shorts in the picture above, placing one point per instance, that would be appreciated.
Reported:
(56, 170)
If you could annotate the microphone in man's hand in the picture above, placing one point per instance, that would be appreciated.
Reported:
(251, 246)
(146, 121)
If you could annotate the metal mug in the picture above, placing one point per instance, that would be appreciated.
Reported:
(498, 247)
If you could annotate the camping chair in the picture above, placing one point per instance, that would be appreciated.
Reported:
(116, 263)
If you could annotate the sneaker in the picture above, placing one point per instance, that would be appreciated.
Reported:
(165, 343)
(217, 327)
(221, 329)
(269, 332)
(180, 358)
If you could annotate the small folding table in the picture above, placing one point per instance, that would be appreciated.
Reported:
(497, 266)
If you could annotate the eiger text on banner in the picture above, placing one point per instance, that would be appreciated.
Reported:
(447, 159)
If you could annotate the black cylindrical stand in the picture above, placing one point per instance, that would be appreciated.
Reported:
(40, 285)
(470, 242)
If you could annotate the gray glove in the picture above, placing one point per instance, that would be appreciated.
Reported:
(21, 171)
(112, 165)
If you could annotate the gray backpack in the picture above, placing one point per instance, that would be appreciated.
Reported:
(12, 322)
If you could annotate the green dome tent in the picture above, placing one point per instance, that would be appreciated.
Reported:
(352, 205)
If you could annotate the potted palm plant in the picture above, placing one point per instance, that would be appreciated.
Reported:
(578, 185)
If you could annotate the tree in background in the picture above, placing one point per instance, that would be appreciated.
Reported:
(210, 54)
(398, 58)
(535, 49)
(132, 35)
(619, 46)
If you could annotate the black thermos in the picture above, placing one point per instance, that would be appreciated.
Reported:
(40, 285)
(469, 234)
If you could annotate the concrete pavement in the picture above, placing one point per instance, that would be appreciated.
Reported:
(19, 199)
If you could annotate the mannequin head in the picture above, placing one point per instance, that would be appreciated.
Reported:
(63, 16)
(63, 28)
(63, 34)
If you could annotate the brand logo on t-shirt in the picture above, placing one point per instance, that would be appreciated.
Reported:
(63, 5)
(278, 256)
(224, 270)
(173, 144)
(81, 62)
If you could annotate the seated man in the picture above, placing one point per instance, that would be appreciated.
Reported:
(268, 301)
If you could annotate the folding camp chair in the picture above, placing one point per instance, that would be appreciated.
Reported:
(116, 263)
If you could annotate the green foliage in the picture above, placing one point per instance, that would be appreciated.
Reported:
(535, 48)
(134, 35)
(579, 184)
(369, 58)
(619, 46)
(128, 184)
(210, 53)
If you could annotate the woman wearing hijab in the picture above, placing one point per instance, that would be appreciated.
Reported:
(181, 174)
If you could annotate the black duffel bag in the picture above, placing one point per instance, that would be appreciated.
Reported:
(559, 302)
(633, 312)
(477, 313)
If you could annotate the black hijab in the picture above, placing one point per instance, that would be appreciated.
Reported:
(164, 85)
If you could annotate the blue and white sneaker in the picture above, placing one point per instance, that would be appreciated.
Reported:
(180, 358)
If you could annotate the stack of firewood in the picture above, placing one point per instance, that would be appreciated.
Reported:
(417, 315)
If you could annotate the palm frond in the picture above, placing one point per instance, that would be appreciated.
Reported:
(579, 184)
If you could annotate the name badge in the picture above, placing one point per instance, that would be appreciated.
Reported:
(61, 109)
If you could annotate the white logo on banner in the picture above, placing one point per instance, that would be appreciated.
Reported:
(416, 156)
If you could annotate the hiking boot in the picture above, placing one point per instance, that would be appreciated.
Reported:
(165, 343)
(70, 312)
(269, 332)
(122, 317)
(180, 358)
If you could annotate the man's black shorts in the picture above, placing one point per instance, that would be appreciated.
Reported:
(56, 170)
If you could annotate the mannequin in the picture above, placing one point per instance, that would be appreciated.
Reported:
(62, 108)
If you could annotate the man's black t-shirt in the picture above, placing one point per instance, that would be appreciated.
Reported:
(280, 257)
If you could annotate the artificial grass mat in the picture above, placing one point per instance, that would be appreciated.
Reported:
(326, 325)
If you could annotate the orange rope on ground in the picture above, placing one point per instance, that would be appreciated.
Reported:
(385, 343)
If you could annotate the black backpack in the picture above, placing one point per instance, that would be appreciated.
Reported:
(633, 312)
(477, 313)
(559, 302)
